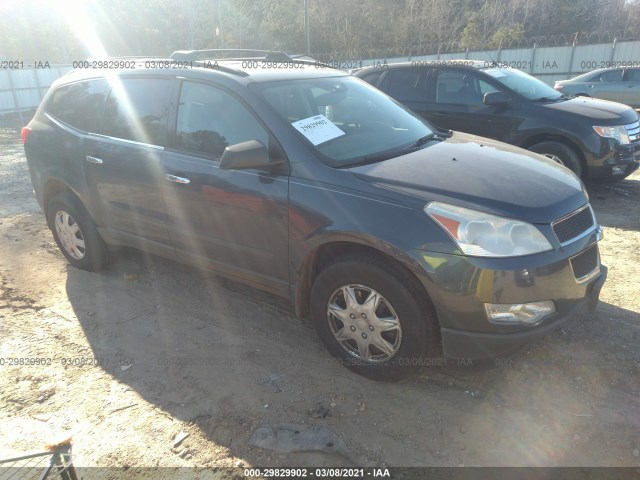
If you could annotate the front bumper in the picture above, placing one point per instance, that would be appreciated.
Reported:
(460, 286)
(476, 346)
(620, 162)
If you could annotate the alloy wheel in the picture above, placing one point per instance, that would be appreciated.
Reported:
(364, 323)
(70, 235)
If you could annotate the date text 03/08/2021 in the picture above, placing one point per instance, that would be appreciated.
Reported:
(372, 472)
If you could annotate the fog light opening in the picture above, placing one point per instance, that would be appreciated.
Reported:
(519, 313)
(619, 169)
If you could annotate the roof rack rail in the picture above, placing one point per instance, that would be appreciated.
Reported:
(213, 64)
(229, 54)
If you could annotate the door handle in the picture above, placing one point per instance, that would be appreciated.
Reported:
(176, 179)
(95, 160)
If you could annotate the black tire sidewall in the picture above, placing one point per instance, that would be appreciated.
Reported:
(95, 248)
(415, 319)
(563, 152)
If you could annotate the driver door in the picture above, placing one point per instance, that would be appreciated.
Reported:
(235, 221)
(456, 104)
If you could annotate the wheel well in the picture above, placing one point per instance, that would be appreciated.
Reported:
(51, 189)
(331, 252)
(531, 141)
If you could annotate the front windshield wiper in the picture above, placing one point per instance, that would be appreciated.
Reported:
(442, 133)
(421, 141)
(378, 157)
(547, 99)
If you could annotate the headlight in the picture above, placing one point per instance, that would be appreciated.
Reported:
(617, 133)
(480, 234)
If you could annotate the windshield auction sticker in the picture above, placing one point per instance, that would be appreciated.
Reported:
(318, 129)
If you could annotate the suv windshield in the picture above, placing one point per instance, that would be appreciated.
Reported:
(523, 84)
(345, 119)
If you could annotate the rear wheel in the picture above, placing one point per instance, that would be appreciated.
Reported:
(75, 233)
(373, 319)
(560, 153)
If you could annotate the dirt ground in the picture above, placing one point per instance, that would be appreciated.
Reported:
(177, 350)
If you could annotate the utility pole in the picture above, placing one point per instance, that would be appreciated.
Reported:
(219, 29)
(306, 28)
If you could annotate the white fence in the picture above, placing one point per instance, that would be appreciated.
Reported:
(547, 63)
(22, 90)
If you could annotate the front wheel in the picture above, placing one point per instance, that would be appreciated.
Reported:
(559, 153)
(372, 320)
(75, 233)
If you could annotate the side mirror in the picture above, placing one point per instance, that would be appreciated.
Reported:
(496, 98)
(251, 154)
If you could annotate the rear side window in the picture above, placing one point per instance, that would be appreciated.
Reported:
(137, 110)
(610, 76)
(372, 77)
(80, 104)
(406, 85)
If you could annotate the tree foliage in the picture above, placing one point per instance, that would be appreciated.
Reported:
(41, 30)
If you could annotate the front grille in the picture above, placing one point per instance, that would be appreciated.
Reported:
(585, 263)
(633, 130)
(574, 225)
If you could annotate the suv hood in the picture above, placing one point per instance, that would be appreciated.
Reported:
(482, 174)
(604, 111)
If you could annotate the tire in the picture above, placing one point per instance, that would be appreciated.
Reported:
(76, 234)
(408, 344)
(560, 153)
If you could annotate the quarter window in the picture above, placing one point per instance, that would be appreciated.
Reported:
(210, 119)
(137, 110)
(79, 104)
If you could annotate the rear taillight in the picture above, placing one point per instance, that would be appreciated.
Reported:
(24, 133)
(558, 87)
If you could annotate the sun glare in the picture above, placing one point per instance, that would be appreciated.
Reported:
(76, 14)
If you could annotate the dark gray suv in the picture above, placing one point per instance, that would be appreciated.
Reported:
(399, 240)
(597, 140)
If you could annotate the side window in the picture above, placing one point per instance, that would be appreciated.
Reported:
(633, 74)
(405, 85)
(210, 119)
(79, 104)
(137, 110)
(372, 77)
(461, 87)
(610, 76)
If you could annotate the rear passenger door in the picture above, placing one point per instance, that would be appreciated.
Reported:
(232, 220)
(123, 162)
